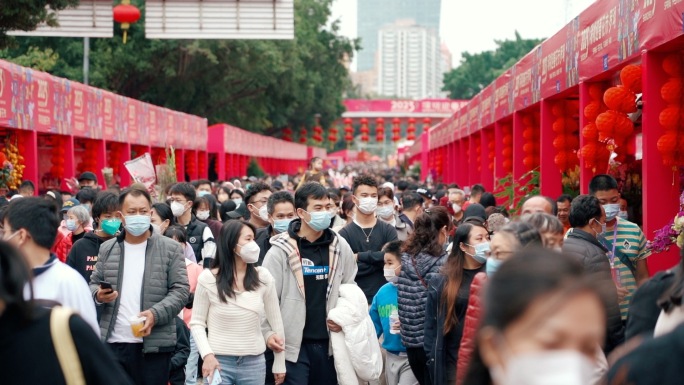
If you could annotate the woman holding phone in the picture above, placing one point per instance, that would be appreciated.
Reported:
(235, 292)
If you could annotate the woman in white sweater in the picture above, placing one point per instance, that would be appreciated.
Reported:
(231, 301)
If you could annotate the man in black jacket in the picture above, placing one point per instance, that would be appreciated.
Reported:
(281, 211)
(587, 219)
(181, 198)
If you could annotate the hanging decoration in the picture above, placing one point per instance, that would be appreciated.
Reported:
(57, 154)
(478, 152)
(380, 130)
(201, 165)
(531, 147)
(318, 134)
(507, 152)
(614, 125)
(348, 130)
(302, 135)
(88, 158)
(671, 118)
(491, 149)
(11, 164)
(114, 160)
(332, 136)
(190, 164)
(364, 130)
(126, 14)
(566, 141)
(594, 154)
(287, 134)
(630, 76)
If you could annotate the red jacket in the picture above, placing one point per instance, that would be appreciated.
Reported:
(470, 326)
(63, 245)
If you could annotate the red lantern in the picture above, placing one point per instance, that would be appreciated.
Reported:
(302, 135)
(614, 125)
(671, 91)
(590, 132)
(630, 76)
(672, 65)
(348, 138)
(126, 14)
(621, 99)
(364, 126)
(596, 91)
(592, 110)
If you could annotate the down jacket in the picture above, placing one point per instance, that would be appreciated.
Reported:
(165, 287)
(356, 348)
(470, 325)
(412, 294)
(592, 254)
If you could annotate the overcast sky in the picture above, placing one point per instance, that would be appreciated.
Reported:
(473, 25)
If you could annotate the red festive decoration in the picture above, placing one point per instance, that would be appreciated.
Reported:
(615, 126)
(332, 135)
(287, 134)
(565, 126)
(126, 14)
(671, 91)
(590, 132)
(671, 143)
(57, 153)
(595, 155)
(630, 76)
(672, 65)
(302, 135)
(380, 130)
(592, 110)
(364, 130)
(620, 99)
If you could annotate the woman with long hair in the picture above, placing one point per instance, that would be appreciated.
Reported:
(543, 319)
(206, 210)
(235, 292)
(423, 254)
(447, 300)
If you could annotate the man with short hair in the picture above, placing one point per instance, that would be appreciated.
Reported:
(475, 194)
(27, 189)
(203, 187)
(256, 199)
(30, 224)
(182, 198)
(624, 240)
(538, 204)
(87, 179)
(309, 262)
(86, 197)
(281, 211)
(367, 235)
(457, 201)
(563, 206)
(140, 274)
(412, 207)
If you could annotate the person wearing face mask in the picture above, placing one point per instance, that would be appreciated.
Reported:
(412, 207)
(281, 211)
(367, 235)
(30, 224)
(457, 201)
(337, 221)
(152, 279)
(623, 239)
(423, 255)
(238, 293)
(387, 213)
(77, 220)
(542, 321)
(623, 213)
(237, 196)
(256, 199)
(206, 210)
(83, 255)
(447, 300)
(507, 241)
(550, 228)
(587, 218)
(182, 198)
(309, 262)
(203, 187)
(385, 315)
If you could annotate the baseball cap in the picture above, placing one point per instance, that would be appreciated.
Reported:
(424, 192)
(87, 176)
(69, 203)
(239, 212)
(278, 185)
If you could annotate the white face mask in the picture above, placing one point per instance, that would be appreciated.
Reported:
(203, 215)
(385, 212)
(562, 367)
(391, 275)
(178, 209)
(249, 252)
(367, 205)
(456, 208)
(263, 213)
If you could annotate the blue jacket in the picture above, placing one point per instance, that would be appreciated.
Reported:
(384, 302)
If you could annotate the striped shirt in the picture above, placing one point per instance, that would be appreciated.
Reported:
(631, 242)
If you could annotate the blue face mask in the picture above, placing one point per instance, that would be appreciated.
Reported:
(320, 220)
(71, 225)
(137, 224)
(237, 201)
(481, 252)
(203, 193)
(612, 210)
(492, 266)
(281, 225)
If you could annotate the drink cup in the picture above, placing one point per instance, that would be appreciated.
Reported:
(394, 322)
(137, 324)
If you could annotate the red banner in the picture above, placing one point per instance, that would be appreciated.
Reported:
(486, 106)
(560, 61)
(426, 106)
(522, 81)
(659, 22)
(474, 115)
(598, 31)
(463, 122)
(503, 95)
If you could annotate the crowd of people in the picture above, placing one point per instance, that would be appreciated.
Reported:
(299, 281)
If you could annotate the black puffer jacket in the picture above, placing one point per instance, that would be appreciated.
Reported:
(413, 292)
(592, 254)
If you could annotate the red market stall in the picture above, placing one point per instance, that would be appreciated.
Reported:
(62, 128)
(603, 95)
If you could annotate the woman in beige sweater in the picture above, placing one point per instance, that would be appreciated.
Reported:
(231, 301)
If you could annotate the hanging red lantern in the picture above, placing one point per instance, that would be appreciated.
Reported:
(630, 76)
(596, 91)
(332, 135)
(564, 125)
(126, 14)
(613, 125)
(348, 138)
(287, 134)
(621, 99)
(302, 135)
(364, 126)
(671, 91)
(590, 132)
(592, 110)
(562, 142)
(672, 65)
(380, 130)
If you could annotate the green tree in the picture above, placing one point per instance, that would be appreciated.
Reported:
(478, 70)
(259, 85)
(26, 15)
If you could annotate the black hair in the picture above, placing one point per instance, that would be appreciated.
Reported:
(425, 235)
(225, 261)
(477, 189)
(497, 210)
(105, 202)
(520, 281)
(410, 200)
(176, 232)
(602, 182)
(313, 160)
(37, 216)
(564, 198)
(56, 198)
(487, 200)
(524, 232)
(402, 185)
(393, 248)
(225, 189)
(86, 195)
(164, 212)
(544, 223)
(254, 189)
(363, 180)
(15, 276)
(203, 181)
(386, 192)
(210, 201)
(583, 209)
(237, 191)
(554, 205)
(276, 198)
(309, 190)
(347, 206)
(27, 185)
(225, 208)
(185, 189)
(134, 192)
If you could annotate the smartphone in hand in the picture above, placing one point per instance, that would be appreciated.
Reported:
(106, 286)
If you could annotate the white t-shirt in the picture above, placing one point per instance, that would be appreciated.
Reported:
(129, 293)
(63, 284)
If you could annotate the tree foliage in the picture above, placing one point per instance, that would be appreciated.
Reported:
(478, 70)
(259, 85)
(26, 15)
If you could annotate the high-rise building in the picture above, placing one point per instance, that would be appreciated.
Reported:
(409, 61)
(374, 14)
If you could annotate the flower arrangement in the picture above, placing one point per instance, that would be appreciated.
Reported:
(6, 168)
(11, 165)
(672, 233)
